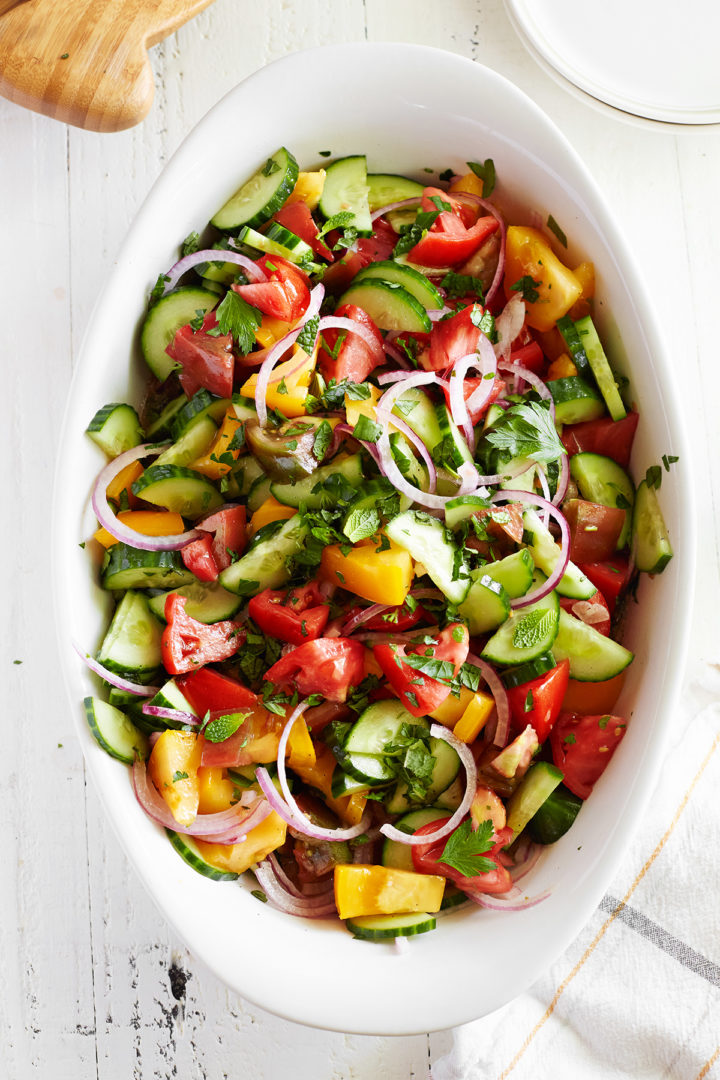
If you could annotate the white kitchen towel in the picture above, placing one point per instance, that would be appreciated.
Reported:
(637, 995)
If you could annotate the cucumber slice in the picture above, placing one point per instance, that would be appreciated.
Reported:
(117, 735)
(207, 602)
(417, 410)
(260, 490)
(288, 239)
(526, 634)
(524, 673)
(593, 657)
(451, 798)
(201, 406)
(486, 605)
(115, 428)
(344, 784)
(244, 407)
(399, 856)
(602, 480)
(261, 196)
(555, 816)
(453, 448)
(265, 565)
(390, 305)
(514, 572)
(218, 272)
(346, 189)
(600, 367)
(130, 568)
(444, 774)
(414, 471)
(131, 645)
(377, 726)
(348, 466)
(175, 488)
(163, 321)
(162, 426)
(415, 283)
(538, 783)
(424, 537)
(651, 541)
(545, 553)
(190, 446)
(169, 696)
(575, 346)
(575, 400)
(462, 508)
(387, 927)
(241, 479)
(301, 254)
(386, 188)
(187, 849)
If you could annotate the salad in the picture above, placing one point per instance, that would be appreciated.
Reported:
(370, 534)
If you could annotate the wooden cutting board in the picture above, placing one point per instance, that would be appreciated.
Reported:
(85, 62)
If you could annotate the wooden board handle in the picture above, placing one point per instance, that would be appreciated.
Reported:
(85, 62)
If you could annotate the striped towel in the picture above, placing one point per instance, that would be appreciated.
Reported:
(637, 995)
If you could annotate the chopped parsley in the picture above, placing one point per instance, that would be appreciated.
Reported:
(323, 438)
(271, 166)
(410, 758)
(367, 430)
(190, 244)
(179, 776)
(486, 172)
(556, 230)
(459, 285)
(526, 286)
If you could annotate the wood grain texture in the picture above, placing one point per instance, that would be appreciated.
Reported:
(95, 985)
(85, 62)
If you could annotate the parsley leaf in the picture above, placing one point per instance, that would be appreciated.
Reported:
(556, 230)
(238, 318)
(527, 431)
(485, 321)
(446, 175)
(361, 523)
(459, 285)
(465, 848)
(367, 430)
(179, 776)
(323, 438)
(308, 334)
(526, 287)
(486, 172)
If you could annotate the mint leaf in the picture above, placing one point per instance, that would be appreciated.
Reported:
(532, 628)
(308, 334)
(367, 430)
(337, 221)
(465, 848)
(222, 727)
(323, 438)
(270, 167)
(190, 244)
(459, 285)
(361, 523)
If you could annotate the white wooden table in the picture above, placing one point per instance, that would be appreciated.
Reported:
(94, 984)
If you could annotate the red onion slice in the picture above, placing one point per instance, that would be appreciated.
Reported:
(395, 354)
(563, 481)
(287, 807)
(210, 827)
(171, 714)
(263, 376)
(499, 693)
(500, 269)
(485, 360)
(527, 862)
(395, 206)
(337, 322)
(280, 897)
(509, 323)
(317, 296)
(588, 612)
(534, 380)
(116, 528)
(415, 440)
(436, 314)
(497, 903)
(253, 271)
(465, 755)
(529, 498)
(110, 676)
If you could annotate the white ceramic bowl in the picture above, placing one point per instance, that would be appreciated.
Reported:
(412, 107)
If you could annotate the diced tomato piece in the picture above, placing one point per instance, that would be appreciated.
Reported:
(503, 528)
(420, 693)
(539, 701)
(209, 691)
(529, 356)
(609, 577)
(230, 528)
(187, 644)
(327, 666)
(595, 612)
(449, 242)
(285, 295)
(594, 530)
(427, 860)
(206, 361)
(297, 218)
(470, 385)
(612, 438)
(582, 747)
(355, 359)
(198, 557)
(396, 619)
(373, 248)
(294, 615)
(379, 246)
(452, 338)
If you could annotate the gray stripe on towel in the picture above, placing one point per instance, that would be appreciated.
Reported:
(673, 946)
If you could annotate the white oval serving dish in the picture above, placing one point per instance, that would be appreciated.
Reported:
(414, 107)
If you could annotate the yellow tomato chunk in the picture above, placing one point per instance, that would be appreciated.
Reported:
(270, 510)
(300, 746)
(475, 717)
(215, 790)
(469, 183)
(271, 330)
(173, 769)
(349, 808)
(383, 577)
(147, 522)
(453, 707)
(293, 377)
(308, 188)
(218, 459)
(257, 845)
(528, 254)
(562, 368)
(384, 890)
